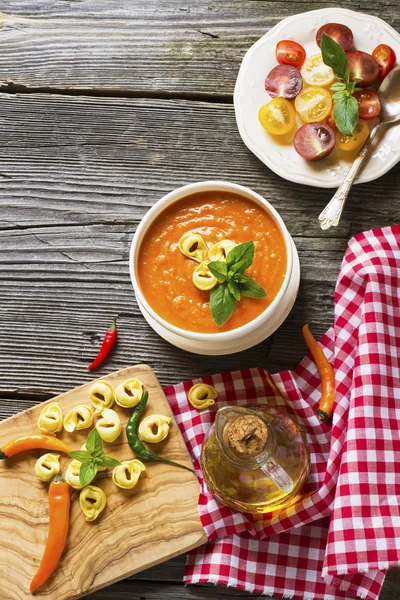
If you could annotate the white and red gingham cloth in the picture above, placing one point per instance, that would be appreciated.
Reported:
(339, 539)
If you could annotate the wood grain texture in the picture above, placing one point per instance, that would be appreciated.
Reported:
(159, 46)
(155, 521)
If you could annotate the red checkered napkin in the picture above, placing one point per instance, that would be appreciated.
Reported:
(342, 535)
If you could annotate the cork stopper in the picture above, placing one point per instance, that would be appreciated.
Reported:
(247, 435)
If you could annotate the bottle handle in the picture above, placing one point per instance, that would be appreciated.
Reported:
(278, 475)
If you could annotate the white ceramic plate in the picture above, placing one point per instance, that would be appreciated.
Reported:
(250, 95)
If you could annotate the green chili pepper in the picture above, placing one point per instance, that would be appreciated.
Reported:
(136, 444)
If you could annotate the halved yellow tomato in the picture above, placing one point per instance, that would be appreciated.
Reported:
(277, 117)
(352, 142)
(315, 72)
(313, 104)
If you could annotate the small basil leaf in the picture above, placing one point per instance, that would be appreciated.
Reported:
(338, 95)
(337, 86)
(94, 443)
(335, 57)
(218, 269)
(81, 455)
(240, 267)
(222, 304)
(87, 472)
(234, 290)
(241, 252)
(251, 288)
(345, 114)
(108, 461)
(350, 87)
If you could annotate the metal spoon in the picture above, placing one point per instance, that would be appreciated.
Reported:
(389, 96)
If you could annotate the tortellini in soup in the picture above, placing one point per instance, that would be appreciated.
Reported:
(92, 500)
(109, 425)
(129, 393)
(51, 418)
(202, 277)
(126, 475)
(202, 395)
(101, 396)
(80, 417)
(193, 246)
(47, 467)
(220, 250)
(154, 429)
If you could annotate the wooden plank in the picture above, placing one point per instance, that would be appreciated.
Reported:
(130, 46)
(160, 516)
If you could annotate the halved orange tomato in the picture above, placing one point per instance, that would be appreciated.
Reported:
(277, 117)
(313, 104)
(352, 142)
(315, 72)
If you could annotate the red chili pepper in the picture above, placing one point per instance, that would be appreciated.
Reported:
(108, 343)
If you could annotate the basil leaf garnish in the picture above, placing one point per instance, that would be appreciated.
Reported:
(234, 290)
(218, 269)
(249, 287)
(241, 252)
(345, 114)
(87, 472)
(335, 57)
(222, 303)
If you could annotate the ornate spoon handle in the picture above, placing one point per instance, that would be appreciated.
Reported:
(332, 212)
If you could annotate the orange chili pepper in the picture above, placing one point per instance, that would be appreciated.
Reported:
(325, 409)
(32, 442)
(59, 503)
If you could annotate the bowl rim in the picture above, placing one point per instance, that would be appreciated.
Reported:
(178, 194)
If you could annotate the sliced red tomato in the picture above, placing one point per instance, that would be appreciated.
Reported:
(386, 57)
(340, 33)
(364, 69)
(284, 81)
(369, 106)
(290, 53)
(314, 141)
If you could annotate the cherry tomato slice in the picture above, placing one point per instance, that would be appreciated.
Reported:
(338, 32)
(369, 106)
(284, 81)
(290, 53)
(386, 57)
(352, 142)
(313, 104)
(316, 72)
(314, 141)
(364, 69)
(277, 117)
(331, 120)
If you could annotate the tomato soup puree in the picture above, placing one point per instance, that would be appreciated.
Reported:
(165, 274)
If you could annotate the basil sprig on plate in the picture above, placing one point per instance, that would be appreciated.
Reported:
(345, 111)
(92, 458)
(233, 283)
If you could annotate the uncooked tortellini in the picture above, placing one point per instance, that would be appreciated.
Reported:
(47, 467)
(202, 277)
(109, 425)
(220, 250)
(129, 393)
(93, 501)
(158, 422)
(80, 417)
(126, 475)
(72, 474)
(101, 396)
(193, 246)
(202, 395)
(51, 419)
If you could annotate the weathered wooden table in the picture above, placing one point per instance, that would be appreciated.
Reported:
(104, 107)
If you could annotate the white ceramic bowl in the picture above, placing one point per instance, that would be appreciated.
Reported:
(250, 95)
(243, 337)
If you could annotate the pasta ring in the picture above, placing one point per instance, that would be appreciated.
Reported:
(109, 425)
(220, 250)
(47, 466)
(202, 395)
(72, 474)
(193, 246)
(126, 475)
(129, 393)
(92, 500)
(202, 277)
(80, 417)
(145, 429)
(101, 395)
(51, 418)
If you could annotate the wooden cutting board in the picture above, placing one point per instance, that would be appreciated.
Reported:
(139, 528)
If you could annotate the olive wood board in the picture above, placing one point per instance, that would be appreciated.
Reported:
(139, 528)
